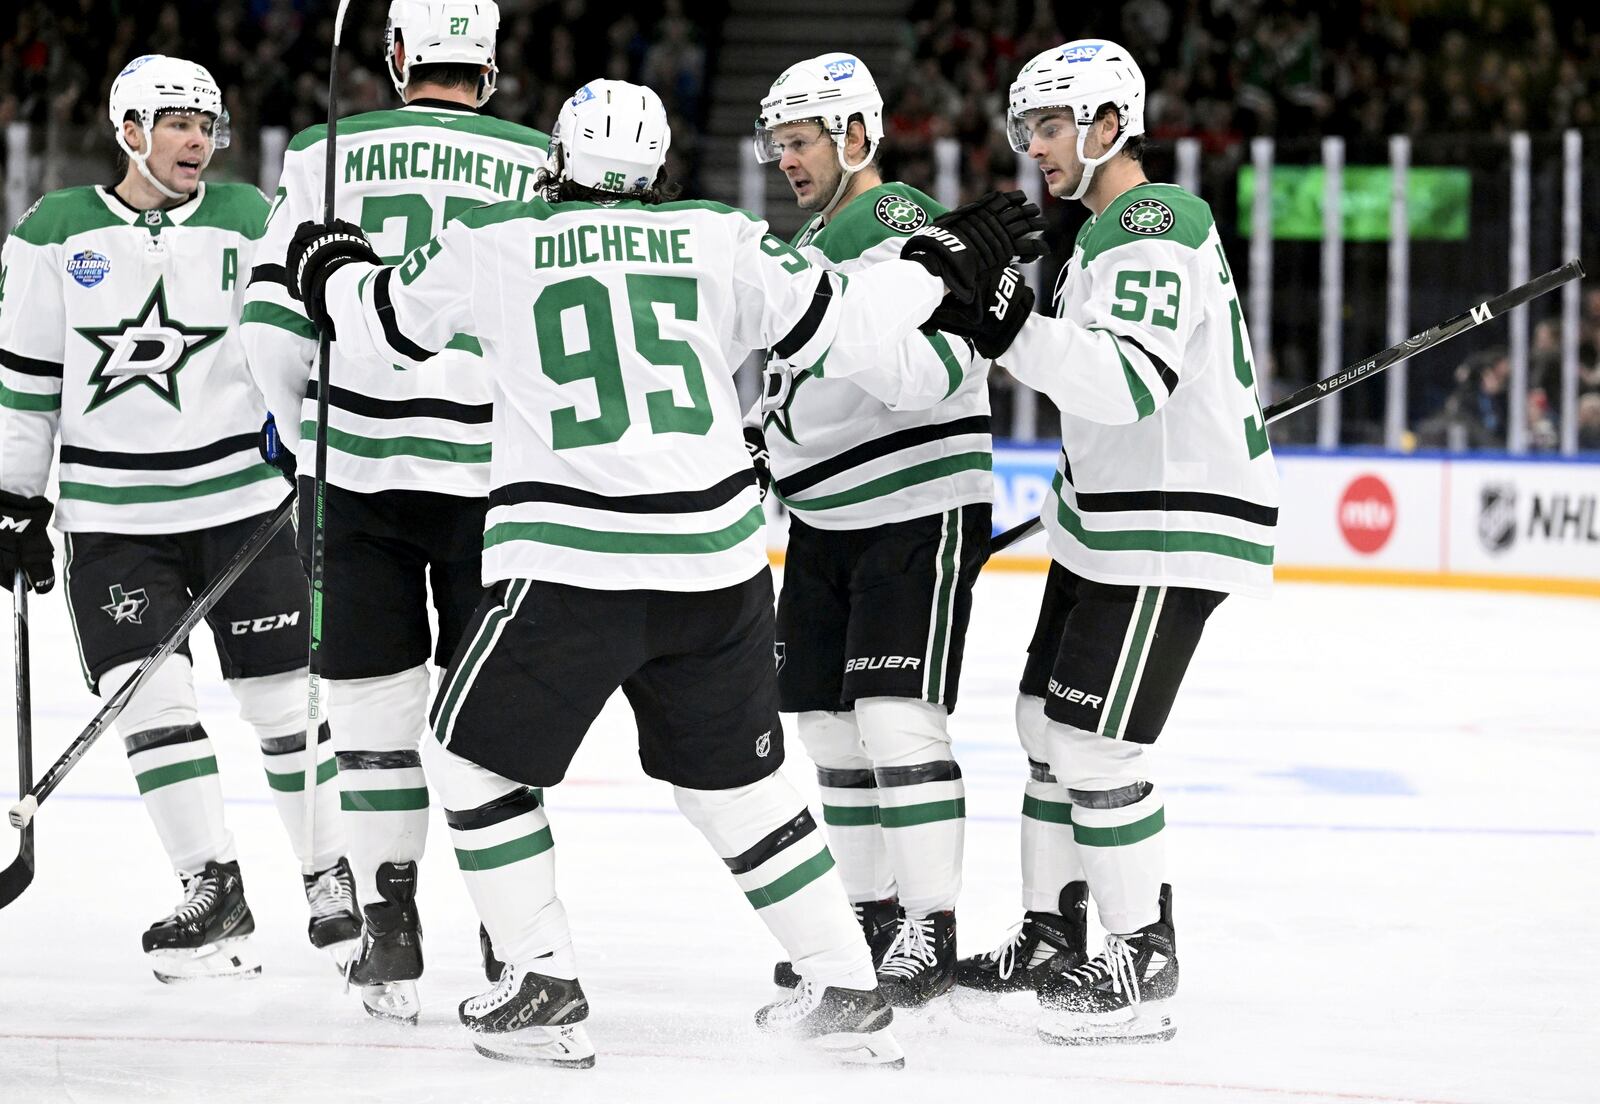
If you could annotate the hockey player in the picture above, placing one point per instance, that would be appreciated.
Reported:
(1164, 503)
(117, 332)
(624, 541)
(408, 450)
(889, 493)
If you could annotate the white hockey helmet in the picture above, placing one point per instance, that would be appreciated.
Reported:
(153, 85)
(1079, 76)
(611, 136)
(830, 89)
(443, 32)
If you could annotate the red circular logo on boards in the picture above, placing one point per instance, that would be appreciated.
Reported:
(1366, 514)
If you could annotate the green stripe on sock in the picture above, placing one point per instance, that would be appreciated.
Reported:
(175, 772)
(909, 816)
(793, 882)
(295, 781)
(850, 816)
(1123, 835)
(504, 854)
(1053, 812)
(402, 800)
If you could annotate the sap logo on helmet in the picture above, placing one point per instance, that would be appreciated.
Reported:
(88, 267)
(583, 95)
(843, 69)
(137, 63)
(1074, 54)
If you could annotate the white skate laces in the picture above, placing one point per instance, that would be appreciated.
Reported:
(199, 897)
(912, 950)
(508, 986)
(1116, 964)
(805, 999)
(329, 895)
(1005, 956)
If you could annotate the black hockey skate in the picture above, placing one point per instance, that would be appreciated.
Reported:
(879, 921)
(389, 960)
(532, 1018)
(335, 923)
(1122, 995)
(921, 962)
(849, 1025)
(1044, 945)
(204, 937)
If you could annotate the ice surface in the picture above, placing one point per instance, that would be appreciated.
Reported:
(1382, 832)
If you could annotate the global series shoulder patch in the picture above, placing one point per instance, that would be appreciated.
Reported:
(903, 215)
(1147, 216)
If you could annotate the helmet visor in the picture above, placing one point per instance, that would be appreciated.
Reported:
(771, 143)
(217, 126)
(1048, 123)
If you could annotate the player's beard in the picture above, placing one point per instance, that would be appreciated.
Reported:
(823, 185)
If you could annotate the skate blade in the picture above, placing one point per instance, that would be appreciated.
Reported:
(1149, 1022)
(878, 1048)
(226, 959)
(564, 1047)
(392, 1002)
(342, 953)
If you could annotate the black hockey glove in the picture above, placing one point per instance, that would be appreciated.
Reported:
(755, 443)
(273, 450)
(962, 246)
(993, 320)
(25, 541)
(317, 251)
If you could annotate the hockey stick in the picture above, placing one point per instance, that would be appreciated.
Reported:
(19, 875)
(1468, 319)
(319, 485)
(23, 811)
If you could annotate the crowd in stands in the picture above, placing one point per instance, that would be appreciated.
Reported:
(271, 58)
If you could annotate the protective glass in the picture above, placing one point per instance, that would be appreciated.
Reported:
(769, 147)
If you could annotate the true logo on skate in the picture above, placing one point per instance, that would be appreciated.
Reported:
(126, 605)
(264, 624)
(882, 663)
(1075, 696)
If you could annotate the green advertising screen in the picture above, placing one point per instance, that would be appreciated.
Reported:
(1438, 202)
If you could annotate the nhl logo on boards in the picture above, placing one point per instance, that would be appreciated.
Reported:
(88, 267)
(1497, 517)
(1147, 216)
(899, 213)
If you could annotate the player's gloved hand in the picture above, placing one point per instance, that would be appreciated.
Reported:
(316, 252)
(993, 319)
(25, 543)
(962, 246)
(755, 443)
(274, 451)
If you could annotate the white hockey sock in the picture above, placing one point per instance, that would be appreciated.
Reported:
(378, 725)
(849, 804)
(507, 859)
(768, 839)
(1049, 854)
(922, 799)
(175, 769)
(275, 706)
(1124, 853)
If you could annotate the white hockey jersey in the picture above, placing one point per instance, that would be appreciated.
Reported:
(612, 333)
(402, 175)
(1166, 476)
(844, 456)
(118, 329)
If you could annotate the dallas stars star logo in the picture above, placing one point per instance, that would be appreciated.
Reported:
(126, 605)
(150, 348)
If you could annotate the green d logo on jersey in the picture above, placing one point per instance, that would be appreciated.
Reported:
(899, 213)
(1147, 216)
(150, 348)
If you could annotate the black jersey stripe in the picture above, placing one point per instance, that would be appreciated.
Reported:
(161, 461)
(1198, 502)
(398, 341)
(269, 274)
(718, 494)
(30, 366)
(806, 478)
(1169, 378)
(805, 329)
(367, 406)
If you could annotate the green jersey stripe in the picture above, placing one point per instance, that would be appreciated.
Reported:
(175, 772)
(793, 882)
(377, 448)
(1120, 836)
(909, 816)
(504, 854)
(295, 781)
(925, 472)
(1143, 404)
(28, 400)
(1154, 540)
(271, 314)
(850, 816)
(155, 492)
(400, 800)
(1051, 812)
(947, 356)
(645, 544)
